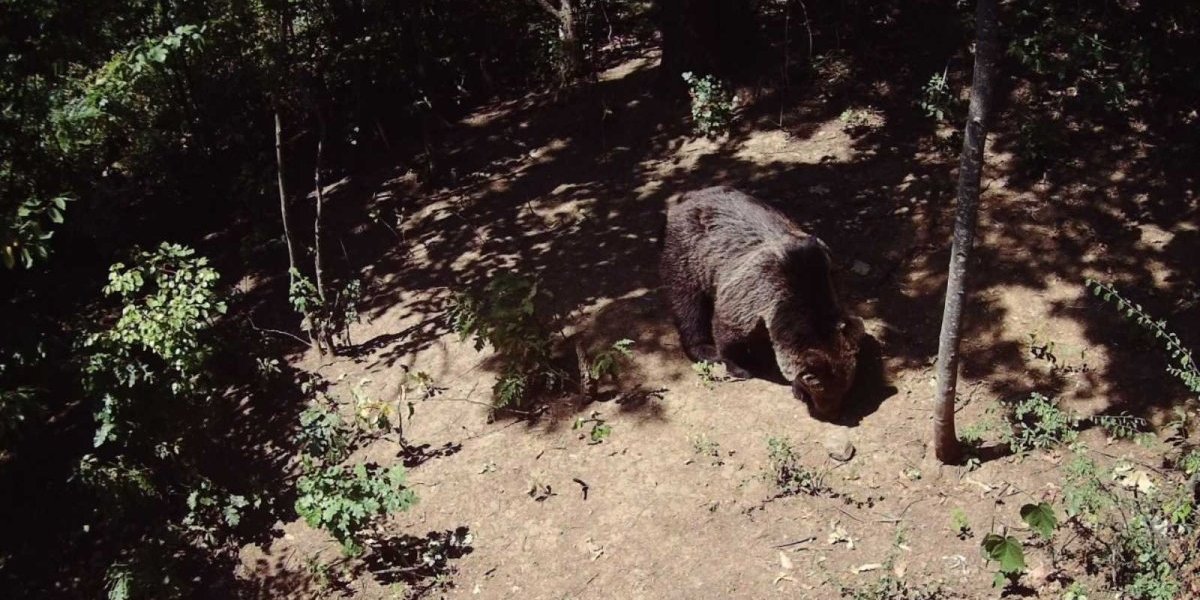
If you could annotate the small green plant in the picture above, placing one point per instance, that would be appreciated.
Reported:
(959, 524)
(1041, 142)
(1190, 463)
(1075, 591)
(345, 499)
(785, 470)
(1007, 553)
(1040, 518)
(599, 431)
(710, 373)
(607, 362)
(714, 105)
(382, 416)
(1084, 493)
(937, 99)
(708, 448)
(1122, 426)
(891, 587)
(1141, 565)
(322, 434)
(1038, 423)
(212, 512)
(860, 118)
(323, 574)
(506, 316)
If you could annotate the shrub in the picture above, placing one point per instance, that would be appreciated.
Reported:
(153, 357)
(507, 318)
(1038, 423)
(326, 320)
(322, 435)
(343, 500)
(713, 104)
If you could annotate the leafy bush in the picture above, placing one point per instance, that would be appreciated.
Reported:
(211, 512)
(1146, 529)
(1141, 565)
(714, 105)
(344, 500)
(1075, 55)
(507, 318)
(326, 320)
(1038, 423)
(25, 234)
(322, 435)
(152, 359)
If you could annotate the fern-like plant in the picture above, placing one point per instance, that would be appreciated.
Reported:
(1182, 365)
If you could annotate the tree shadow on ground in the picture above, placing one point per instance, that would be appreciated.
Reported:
(573, 192)
(421, 563)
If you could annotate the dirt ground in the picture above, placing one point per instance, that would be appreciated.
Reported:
(573, 190)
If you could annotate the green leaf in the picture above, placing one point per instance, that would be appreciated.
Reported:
(1040, 517)
(1005, 550)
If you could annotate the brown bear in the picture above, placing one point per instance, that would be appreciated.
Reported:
(737, 274)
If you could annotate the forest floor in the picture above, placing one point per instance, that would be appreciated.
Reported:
(674, 503)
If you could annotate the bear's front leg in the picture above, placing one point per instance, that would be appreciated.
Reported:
(733, 340)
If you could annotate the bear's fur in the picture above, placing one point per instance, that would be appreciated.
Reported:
(737, 272)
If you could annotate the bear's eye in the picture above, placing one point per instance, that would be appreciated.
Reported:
(810, 379)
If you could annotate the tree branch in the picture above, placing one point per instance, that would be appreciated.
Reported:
(276, 331)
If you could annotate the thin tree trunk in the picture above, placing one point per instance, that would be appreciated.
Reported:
(946, 444)
(324, 336)
(317, 266)
(283, 211)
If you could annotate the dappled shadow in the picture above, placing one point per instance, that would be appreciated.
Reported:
(415, 456)
(421, 563)
(572, 190)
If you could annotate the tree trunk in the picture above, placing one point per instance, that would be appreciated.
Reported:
(324, 336)
(572, 49)
(946, 444)
(283, 210)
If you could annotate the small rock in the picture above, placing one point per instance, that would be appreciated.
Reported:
(860, 268)
(839, 447)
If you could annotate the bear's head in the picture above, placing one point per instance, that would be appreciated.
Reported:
(826, 373)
